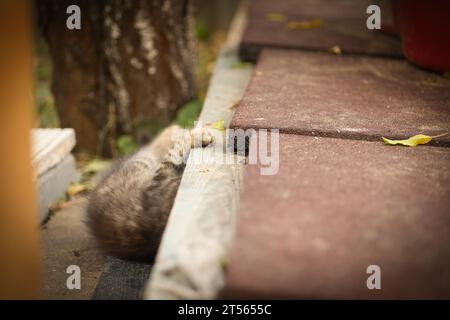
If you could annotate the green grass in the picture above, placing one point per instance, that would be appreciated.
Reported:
(189, 113)
(45, 104)
(185, 118)
(126, 145)
(201, 30)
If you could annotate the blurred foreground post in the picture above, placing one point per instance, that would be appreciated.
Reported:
(19, 256)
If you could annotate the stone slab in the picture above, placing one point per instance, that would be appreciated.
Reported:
(344, 25)
(335, 207)
(53, 183)
(50, 147)
(344, 96)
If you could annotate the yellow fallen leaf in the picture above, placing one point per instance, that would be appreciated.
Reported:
(96, 166)
(411, 142)
(219, 125)
(336, 50)
(305, 25)
(241, 65)
(77, 188)
(276, 17)
(224, 262)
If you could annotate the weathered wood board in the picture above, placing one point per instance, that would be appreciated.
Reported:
(194, 249)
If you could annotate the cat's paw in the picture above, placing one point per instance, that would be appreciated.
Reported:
(201, 137)
(179, 153)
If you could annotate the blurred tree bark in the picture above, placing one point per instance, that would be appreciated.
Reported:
(130, 67)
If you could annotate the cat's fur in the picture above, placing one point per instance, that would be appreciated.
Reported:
(128, 211)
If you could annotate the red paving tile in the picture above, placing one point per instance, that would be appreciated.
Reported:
(344, 26)
(337, 206)
(344, 96)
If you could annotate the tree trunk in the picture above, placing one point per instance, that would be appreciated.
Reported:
(128, 69)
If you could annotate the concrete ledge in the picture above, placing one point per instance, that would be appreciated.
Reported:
(50, 147)
(53, 184)
(54, 166)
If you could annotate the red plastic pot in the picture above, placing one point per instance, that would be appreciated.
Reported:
(424, 27)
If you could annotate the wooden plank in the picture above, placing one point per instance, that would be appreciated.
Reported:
(194, 249)
(50, 147)
(122, 280)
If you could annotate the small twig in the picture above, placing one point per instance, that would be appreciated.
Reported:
(440, 135)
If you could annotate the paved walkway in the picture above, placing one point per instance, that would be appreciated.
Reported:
(66, 241)
(342, 200)
(339, 23)
(354, 97)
